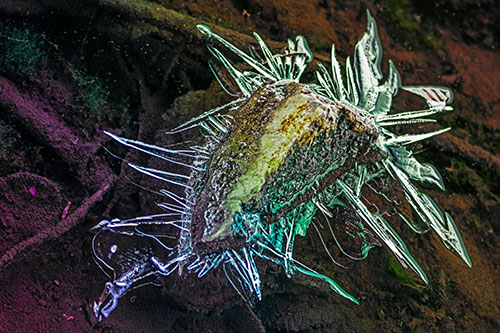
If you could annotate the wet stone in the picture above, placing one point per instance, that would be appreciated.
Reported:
(286, 143)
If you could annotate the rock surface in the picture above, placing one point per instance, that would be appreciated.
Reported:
(70, 69)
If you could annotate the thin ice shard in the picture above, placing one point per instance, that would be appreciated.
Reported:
(384, 231)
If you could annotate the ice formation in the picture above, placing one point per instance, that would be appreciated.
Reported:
(284, 158)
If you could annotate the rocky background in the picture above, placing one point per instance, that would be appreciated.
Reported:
(71, 69)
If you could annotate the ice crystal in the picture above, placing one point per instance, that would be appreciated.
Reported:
(272, 162)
